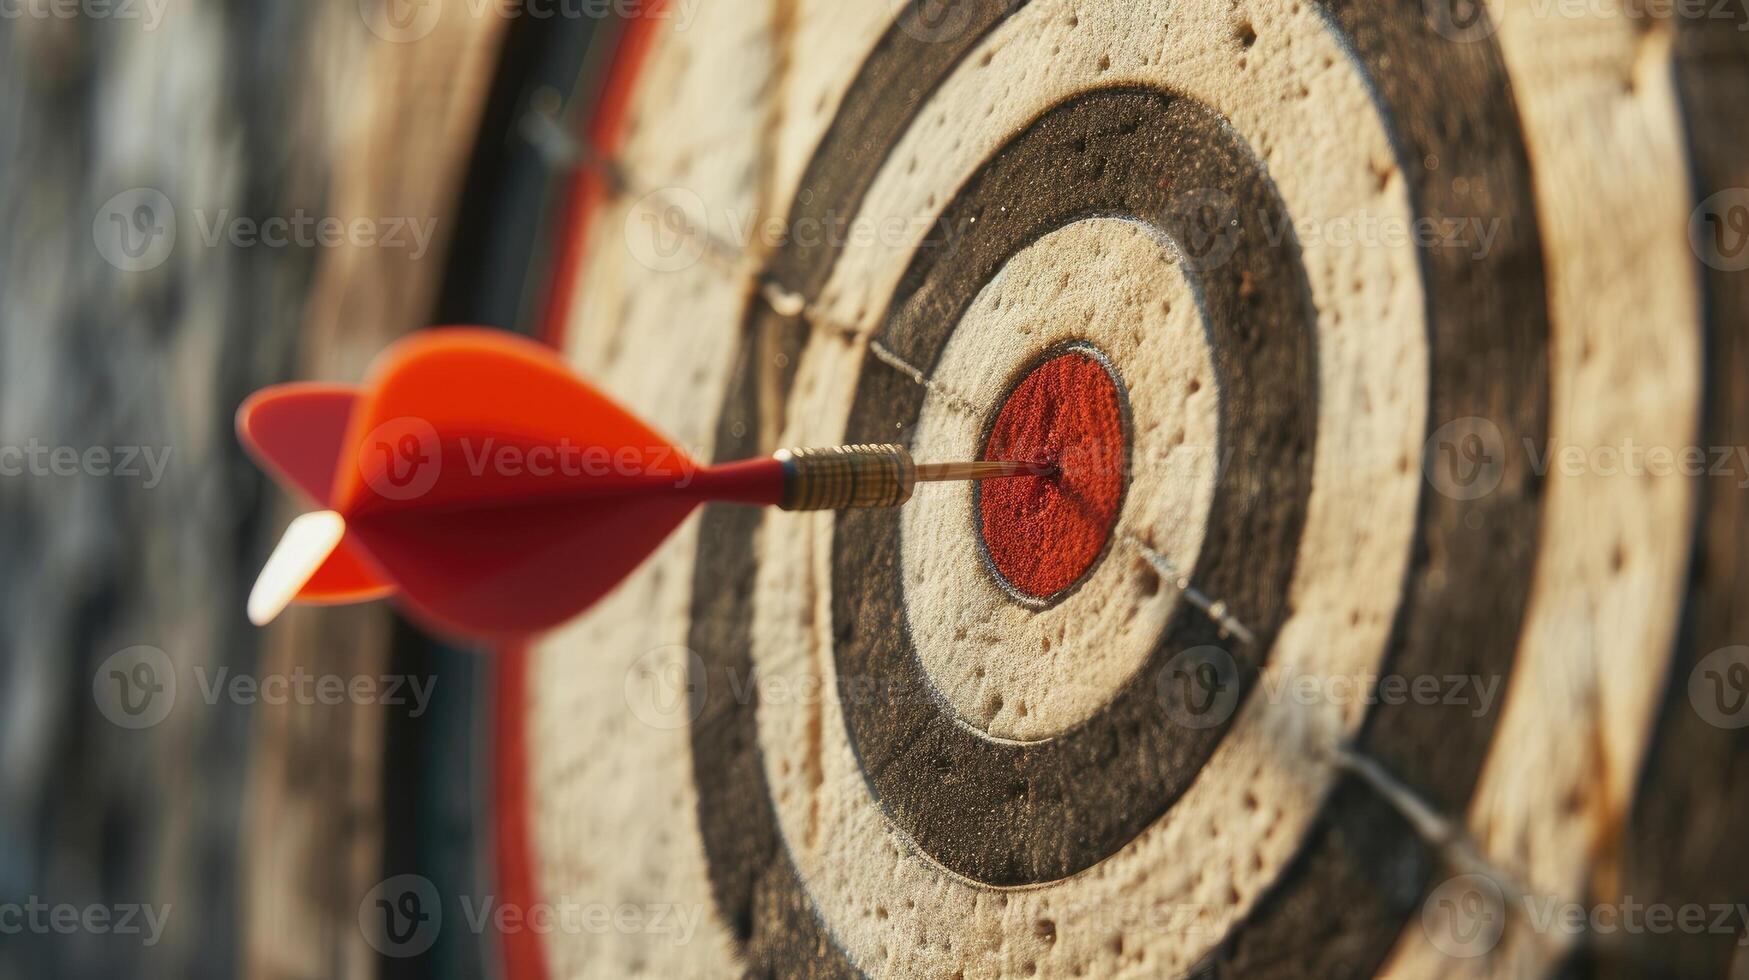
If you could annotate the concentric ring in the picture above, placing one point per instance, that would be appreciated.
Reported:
(749, 867)
(1008, 814)
(1020, 671)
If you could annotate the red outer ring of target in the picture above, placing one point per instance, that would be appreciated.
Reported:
(1041, 536)
(518, 883)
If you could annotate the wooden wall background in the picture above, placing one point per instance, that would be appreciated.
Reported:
(259, 827)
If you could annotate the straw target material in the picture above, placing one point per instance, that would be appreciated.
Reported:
(1356, 672)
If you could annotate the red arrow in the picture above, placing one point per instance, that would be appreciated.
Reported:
(499, 494)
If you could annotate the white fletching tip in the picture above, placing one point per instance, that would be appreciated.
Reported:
(307, 544)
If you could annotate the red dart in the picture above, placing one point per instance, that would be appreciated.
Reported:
(499, 494)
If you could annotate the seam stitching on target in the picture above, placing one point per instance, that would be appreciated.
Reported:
(886, 356)
(1440, 831)
(788, 303)
(732, 261)
(1215, 609)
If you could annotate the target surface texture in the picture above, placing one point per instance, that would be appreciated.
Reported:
(1357, 267)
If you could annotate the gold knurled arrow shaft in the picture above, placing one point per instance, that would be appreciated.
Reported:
(849, 477)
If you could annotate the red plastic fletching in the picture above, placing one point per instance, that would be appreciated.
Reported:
(295, 432)
(501, 493)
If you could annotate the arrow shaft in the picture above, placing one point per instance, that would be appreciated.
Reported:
(981, 470)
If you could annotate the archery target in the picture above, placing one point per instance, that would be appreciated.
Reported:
(1354, 270)
(965, 620)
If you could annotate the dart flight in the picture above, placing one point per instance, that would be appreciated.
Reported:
(498, 494)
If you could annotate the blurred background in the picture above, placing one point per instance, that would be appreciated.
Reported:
(199, 198)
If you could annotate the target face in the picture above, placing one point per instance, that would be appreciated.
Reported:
(1299, 299)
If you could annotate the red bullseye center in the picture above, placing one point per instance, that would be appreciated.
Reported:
(1043, 534)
